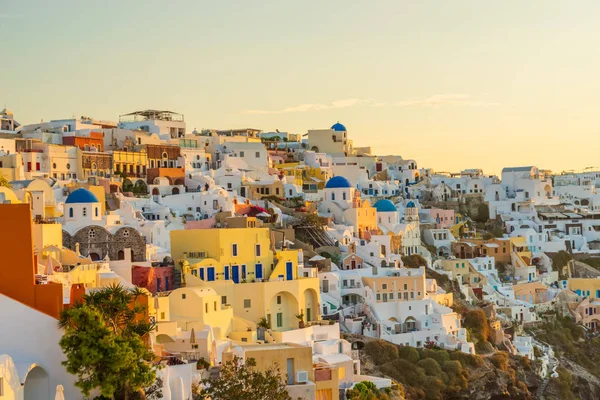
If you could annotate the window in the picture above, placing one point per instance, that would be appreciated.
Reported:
(54, 165)
(215, 305)
(378, 297)
(71, 212)
(84, 211)
(247, 303)
(279, 320)
(241, 154)
(126, 233)
(183, 296)
(405, 286)
(257, 154)
(384, 286)
(206, 308)
(97, 215)
(234, 249)
(223, 299)
(278, 299)
(258, 250)
(162, 315)
(1, 386)
(92, 233)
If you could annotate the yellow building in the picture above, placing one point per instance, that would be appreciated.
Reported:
(241, 266)
(304, 175)
(589, 287)
(397, 288)
(131, 163)
(295, 364)
(463, 271)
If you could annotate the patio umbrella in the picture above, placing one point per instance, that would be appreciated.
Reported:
(193, 337)
(317, 258)
(60, 393)
(49, 269)
(263, 214)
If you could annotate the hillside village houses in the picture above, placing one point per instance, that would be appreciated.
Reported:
(274, 246)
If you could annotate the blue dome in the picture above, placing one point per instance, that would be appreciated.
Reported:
(411, 205)
(338, 127)
(81, 196)
(337, 182)
(385, 206)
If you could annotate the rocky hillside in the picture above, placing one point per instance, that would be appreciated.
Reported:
(440, 374)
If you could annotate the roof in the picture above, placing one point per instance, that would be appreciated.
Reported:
(411, 205)
(385, 205)
(337, 182)
(81, 195)
(338, 127)
(517, 169)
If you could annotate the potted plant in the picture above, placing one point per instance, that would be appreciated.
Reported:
(263, 323)
(300, 320)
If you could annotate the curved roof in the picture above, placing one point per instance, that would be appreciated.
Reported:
(385, 205)
(81, 195)
(337, 182)
(411, 205)
(338, 127)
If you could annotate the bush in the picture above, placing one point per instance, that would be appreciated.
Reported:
(477, 323)
(414, 261)
(560, 259)
(404, 372)
(432, 368)
(381, 351)
(409, 354)
(440, 356)
(500, 360)
(466, 360)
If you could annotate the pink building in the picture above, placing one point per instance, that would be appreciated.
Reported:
(443, 218)
(154, 279)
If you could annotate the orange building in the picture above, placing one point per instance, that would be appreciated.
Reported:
(17, 271)
(86, 143)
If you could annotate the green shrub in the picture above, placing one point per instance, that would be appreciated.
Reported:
(440, 356)
(409, 354)
(381, 351)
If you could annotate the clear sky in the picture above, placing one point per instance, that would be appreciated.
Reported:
(453, 84)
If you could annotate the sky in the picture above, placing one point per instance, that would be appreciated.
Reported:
(452, 84)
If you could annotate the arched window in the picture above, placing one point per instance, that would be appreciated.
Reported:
(71, 212)
(332, 196)
(92, 233)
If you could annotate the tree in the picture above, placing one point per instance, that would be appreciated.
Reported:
(243, 381)
(4, 182)
(560, 259)
(105, 341)
(365, 390)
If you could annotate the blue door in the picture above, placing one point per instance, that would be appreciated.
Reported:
(202, 273)
(235, 271)
(226, 272)
(258, 272)
(289, 271)
(211, 273)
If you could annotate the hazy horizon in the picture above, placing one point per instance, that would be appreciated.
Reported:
(453, 85)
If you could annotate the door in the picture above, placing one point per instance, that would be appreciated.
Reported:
(37, 166)
(325, 286)
(243, 191)
(28, 165)
(211, 273)
(226, 272)
(258, 271)
(158, 285)
(235, 272)
(290, 371)
(308, 316)
(201, 273)
(243, 272)
(289, 271)
(353, 263)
